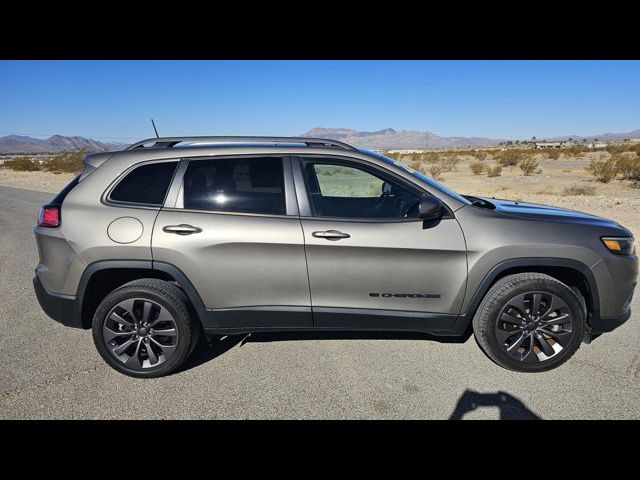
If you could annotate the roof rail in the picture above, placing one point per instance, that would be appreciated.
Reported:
(170, 142)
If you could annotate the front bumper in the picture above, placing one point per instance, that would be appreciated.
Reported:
(616, 279)
(608, 324)
(61, 308)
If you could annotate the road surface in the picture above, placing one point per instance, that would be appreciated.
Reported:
(50, 371)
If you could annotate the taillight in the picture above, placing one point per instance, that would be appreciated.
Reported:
(49, 216)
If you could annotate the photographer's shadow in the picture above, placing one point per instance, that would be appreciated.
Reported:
(511, 408)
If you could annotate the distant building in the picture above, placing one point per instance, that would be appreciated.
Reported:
(537, 144)
(406, 151)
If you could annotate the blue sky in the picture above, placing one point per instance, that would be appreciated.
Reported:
(113, 100)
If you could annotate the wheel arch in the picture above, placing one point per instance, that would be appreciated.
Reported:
(102, 277)
(571, 272)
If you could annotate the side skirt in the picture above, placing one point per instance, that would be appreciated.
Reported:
(231, 321)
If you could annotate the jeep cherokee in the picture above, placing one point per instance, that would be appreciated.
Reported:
(172, 238)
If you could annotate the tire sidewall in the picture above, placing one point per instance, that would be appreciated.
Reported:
(538, 285)
(182, 325)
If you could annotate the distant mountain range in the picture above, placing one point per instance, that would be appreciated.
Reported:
(381, 139)
(403, 139)
(55, 144)
(409, 139)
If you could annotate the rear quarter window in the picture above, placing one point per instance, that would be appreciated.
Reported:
(145, 185)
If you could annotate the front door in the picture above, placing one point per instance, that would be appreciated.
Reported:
(372, 263)
(234, 232)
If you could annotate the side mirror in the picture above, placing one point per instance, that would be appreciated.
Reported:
(430, 208)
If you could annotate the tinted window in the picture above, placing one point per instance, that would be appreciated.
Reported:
(247, 185)
(146, 184)
(350, 191)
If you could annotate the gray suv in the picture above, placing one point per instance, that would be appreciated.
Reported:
(174, 238)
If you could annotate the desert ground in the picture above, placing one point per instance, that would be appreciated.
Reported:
(42, 181)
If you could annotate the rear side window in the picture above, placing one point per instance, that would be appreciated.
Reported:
(242, 185)
(147, 184)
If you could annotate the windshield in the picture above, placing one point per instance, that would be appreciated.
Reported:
(423, 177)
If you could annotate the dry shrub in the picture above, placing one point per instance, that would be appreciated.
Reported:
(580, 190)
(435, 171)
(616, 149)
(494, 171)
(477, 168)
(415, 165)
(450, 163)
(70, 162)
(628, 166)
(603, 170)
(480, 154)
(431, 157)
(529, 165)
(22, 164)
(554, 154)
(509, 158)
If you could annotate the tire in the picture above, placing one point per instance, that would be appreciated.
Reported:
(123, 340)
(513, 332)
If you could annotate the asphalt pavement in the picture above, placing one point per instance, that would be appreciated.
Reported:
(51, 371)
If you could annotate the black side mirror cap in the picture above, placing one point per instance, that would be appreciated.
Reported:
(430, 208)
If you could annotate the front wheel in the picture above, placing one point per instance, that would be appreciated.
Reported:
(144, 329)
(530, 322)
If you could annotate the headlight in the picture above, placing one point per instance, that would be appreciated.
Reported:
(620, 245)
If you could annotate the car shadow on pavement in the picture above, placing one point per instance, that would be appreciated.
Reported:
(215, 346)
(511, 408)
(208, 349)
(351, 335)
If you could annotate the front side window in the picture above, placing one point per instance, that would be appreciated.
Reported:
(344, 190)
(146, 184)
(239, 185)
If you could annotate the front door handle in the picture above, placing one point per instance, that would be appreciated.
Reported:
(331, 235)
(182, 229)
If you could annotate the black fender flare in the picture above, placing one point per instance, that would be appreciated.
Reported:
(168, 268)
(534, 262)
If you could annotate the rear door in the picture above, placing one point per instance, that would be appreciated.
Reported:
(231, 225)
(372, 263)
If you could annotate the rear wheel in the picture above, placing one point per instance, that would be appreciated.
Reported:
(530, 322)
(144, 329)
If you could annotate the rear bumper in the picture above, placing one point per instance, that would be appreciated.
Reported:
(61, 308)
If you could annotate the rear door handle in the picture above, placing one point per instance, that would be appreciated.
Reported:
(331, 235)
(182, 229)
